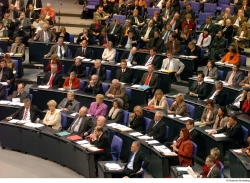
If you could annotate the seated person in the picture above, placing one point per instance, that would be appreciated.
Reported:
(246, 150)
(70, 103)
(31, 13)
(232, 130)
(115, 114)
(85, 35)
(242, 37)
(128, 41)
(18, 47)
(208, 24)
(174, 64)
(156, 42)
(235, 76)
(53, 116)
(71, 82)
(99, 70)
(109, 53)
(193, 133)
(189, 23)
(173, 45)
(49, 12)
(157, 127)
(187, 9)
(179, 106)
(95, 28)
(20, 93)
(136, 163)
(184, 148)
(199, 88)
(6, 74)
(239, 99)
(61, 49)
(204, 40)
(27, 112)
(210, 71)
(41, 19)
(125, 74)
(150, 78)
(78, 67)
(3, 30)
(10, 63)
(127, 27)
(158, 21)
(159, 101)
(114, 30)
(209, 114)
(131, 56)
(100, 121)
(237, 20)
(218, 94)
(94, 86)
(63, 33)
(84, 51)
(232, 57)
(53, 78)
(245, 105)
(224, 16)
(194, 50)
(119, 8)
(98, 108)
(138, 122)
(82, 123)
(153, 59)
(221, 118)
(146, 33)
(136, 20)
(166, 32)
(184, 36)
(246, 82)
(227, 30)
(2, 91)
(45, 34)
(54, 59)
(217, 45)
(104, 38)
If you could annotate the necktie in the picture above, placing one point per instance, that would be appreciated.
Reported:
(97, 72)
(83, 52)
(230, 80)
(73, 128)
(61, 55)
(173, 47)
(224, 29)
(165, 37)
(199, 84)
(155, 124)
(105, 41)
(130, 57)
(147, 80)
(172, 23)
(147, 33)
(122, 71)
(25, 114)
(22, 22)
(51, 79)
(17, 49)
(166, 14)
(115, 91)
(1, 74)
(149, 60)
(113, 30)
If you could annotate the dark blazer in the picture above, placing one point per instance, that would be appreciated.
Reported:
(153, 83)
(246, 12)
(218, 44)
(80, 70)
(195, 137)
(38, 3)
(214, 173)
(21, 4)
(139, 8)
(7, 74)
(33, 16)
(119, 10)
(24, 95)
(138, 123)
(26, 25)
(132, 20)
(65, 37)
(177, 25)
(144, 30)
(196, 52)
(110, 38)
(127, 76)
(87, 53)
(57, 82)
(90, 39)
(118, 119)
(156, 61)
(159, 23)
(125, 56)
(171, 12)
(102, 73)
(124, 40)
(34, 113)
(228, 33)
(211, 28)
(184, 13)
(86, 124)
(159, 44)
(158, 131)
(131, 28)
(96, 89)
(15, 14)
(177, 46)
(93, 29)
(200, 90)
(175, 4)
(220, 98)
(117, 30)
(238, 77)
(2, 91)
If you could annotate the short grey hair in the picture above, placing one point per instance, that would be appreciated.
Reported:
(137, 143)
(219, 83)
(73, 73)
(115, 81)
(86, 109)
(98, 60)
(211, 158)
(119, 102)
(180, 96)
(160, 113)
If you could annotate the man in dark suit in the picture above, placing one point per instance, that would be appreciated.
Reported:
(126, 75)
(85, 35)
(235, 76)
(228, 30)
(2, 91)
(167, 12)
(157, 127)
(175, 22)
(158, 20)
(127, 27)
(104, 38)
(184, 12)
(99, 70)
(208, 25)
(217, 45)
(153, 59)
(134, 166)
(136, 20)
(79, 68)
(81, 123)
(19, 6)
(218, 94)
(101, 122)
(60, 49)
(6, 74)
(36, 3)
(114, 30)
(135, 6)
(84, 51)
(214, 170)
(31, 14)
(28, 112)
(146, 33)
(175, 4)
(156, 42)
(199, 88)
(53, 78)
(173, 45)
(20, 93)
(5, 6)
(13, 13)
(150, 78)
(94, 86)
(128, 41)
(194, 50)
(45, 34)
(22, 27)
(166, 32)
(131, 56)
(245, 7)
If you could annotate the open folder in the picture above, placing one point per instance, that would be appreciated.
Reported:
(191, 172)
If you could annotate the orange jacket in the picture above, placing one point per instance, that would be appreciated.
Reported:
(185, 152)
(51, 13)
(234, 60)
(75, 83)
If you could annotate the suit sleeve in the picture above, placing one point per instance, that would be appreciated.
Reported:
(39, 113)
(122, 95)
(59, 83)
(16, 114)
(156, 82)
(60, 106)
(203, 93)
(162, 131)
(119, 117)
(146, 162)
(101, 143)
(139, 122)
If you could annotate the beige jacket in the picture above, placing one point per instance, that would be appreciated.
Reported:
(162, 104)
(53, 119)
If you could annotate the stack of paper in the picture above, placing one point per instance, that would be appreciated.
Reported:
(135, 86)
(176, 116)
(82, 142)
(144, 137)
(87, 59)
(191, 172)
(181, 169)
(80, 57)
(219, 135)
(152, 142)
(136, 134)
(237, 150)
(14, 121)
(93, 148)
(16, 103)
(4, 83)
(4, 102)
(112, 124)
(23, 121)
(144, 87)
(208, 79)
(87, 145)
(185, 118)
(113, 166)
(43, 86)
(74, 114)
(33, 125)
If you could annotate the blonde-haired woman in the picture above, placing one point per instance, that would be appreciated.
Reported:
(242, 37)
(138, 121)
(53, 116)
(109, 53)
(159, 101)
(98, 108)
(63, 34)
(179, 106)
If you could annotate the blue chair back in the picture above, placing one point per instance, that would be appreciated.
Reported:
(245, 133)
(147, 122)
(79, 106)
(166, 134)
(191, 110)
(62, 69)
(117, 56)
(16, 67)
(194, 152)
(82, 85)
(210, 8)
(71, 38)
(108, 75)
(63, 120)
(195, 6)
(125, 117)
(105, 87)
(31, 97)
(128, 93)
(170, 101)
(69, 53)
(225, 101)
(202, 53)
(223, 2)
(87, 72)
(181, 4)
(151, 11)
(243, 60)
(202, 18)
(6, 93)
(122, 18)
(221, 74)
(224, 6)
(116, 147)
(183, 48)
(148, 2)
(221, 170)
(93, 54)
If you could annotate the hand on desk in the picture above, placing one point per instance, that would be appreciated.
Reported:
(110, 96)
(8, 118)
(85, 134)
(198, 175)
(211, 133)
(123, 168)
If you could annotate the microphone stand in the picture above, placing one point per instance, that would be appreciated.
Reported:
(59, 18)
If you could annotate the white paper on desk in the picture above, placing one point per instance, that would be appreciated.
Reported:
(144, 137)
(125, 128)
(43, 86)
(225, 83)
(112, 124)
(182, 56)
(191, 56)
(135, 134)
(24, 121)
(219, 135)
(185, 118)
(88, 115)
(4, 83)
(93, 148)
(172, 116)
(74, 114)
(92, 61)
(65, 42)
(4, 102)
(191, 172)
(152, 142)
(135, 86)
(237, 150)
(34, 125)
(14, 121)
(209, 130)
(187, 176)
(208, 79)
(129, 64)
(80, 57)
(113, 166)
(16, 103)
(180, 168)
(87, 145)
(219, 63)
(122, 83)
(231, 65)
(11, 54)
(87, 59)
(16, 100)
(81, 142)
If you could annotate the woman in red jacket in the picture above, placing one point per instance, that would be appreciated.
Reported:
(245, 106)
(54, 59)
(189, 23)
(71, 82)
(216, 153)
(184, 148)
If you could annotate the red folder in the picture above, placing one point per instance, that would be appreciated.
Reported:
(74, 137)
(149, 107)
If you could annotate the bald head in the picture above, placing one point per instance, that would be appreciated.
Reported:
(100, 121)
(133, 50)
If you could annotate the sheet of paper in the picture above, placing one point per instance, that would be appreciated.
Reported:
(118, 64)
(113, 166)
(34, 125)
(129, 64)
(135, 134)
(219, 63)
(87, 145)
(93, 148)
(237, 150)
(14, 121)
(87, 59)
(187, 176)
(191, 172)
(209, 130)
(152, 142)
(35, 24)
(74, 114)
(16, 100)
(65, 42)
(43, 86)
(176, 116)
(183, 169)
(23, 121)
(4, 102)
(208, 80)
(185, 118)
(112, 124)
(144, 137)
(135, 86)
(4, 83)
(81, 142)
(219, 135)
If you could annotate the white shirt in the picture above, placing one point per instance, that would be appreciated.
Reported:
(237, 22)
(58, 51)
(46, 37)
(130, 164)
(171, 65)
(212, 97)
(109, 54)
(28, 116)
(237, 103)
(129, 42)
(147, 33)
(191, 130)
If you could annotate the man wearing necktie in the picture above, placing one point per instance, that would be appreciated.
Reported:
(165, 34)
(44, 34)
(152, 58)
(94, 86)
(130, 56)
(146, 33)
(199, 88)
(238, 100)
(60, 49)
(20, 93)
(136, 20)
(53, 79)
(150, 78)
(208, 25)
(235, 76)
(125, 74)
(114, 30)
(173, 45)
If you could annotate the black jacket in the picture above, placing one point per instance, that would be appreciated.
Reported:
(124, 41)
(80, 70)
(135, 58)
(220, 98)
(158, 131)
(2, 91)
(57, 81)
(138, 123)
(159, 44)
(228, 33)
(102, 73)
(117, 30)
(200, 90)
(34, 15)
(96, 89)
(127, 76)
(65, 38)
(110, 38)
(38, 3)
(156, 61)
(87, 53)
(90, 39)
(86, 124)
(118, 119)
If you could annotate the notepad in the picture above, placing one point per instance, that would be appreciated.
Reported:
(182, 169)
(43, 86)
(152, 142)
(176, 116)
(33, 125)
(185, 118)
(135, 134)
(81, 142)
(209, 130)
(144, 87)
(113, 166)
(135, 86)
(64, 133)
(14, 121)
(86, 59)
(4, 102)
(74, 137)
(144, 137)
(219, 135)
(191, 172)
(149, 107)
